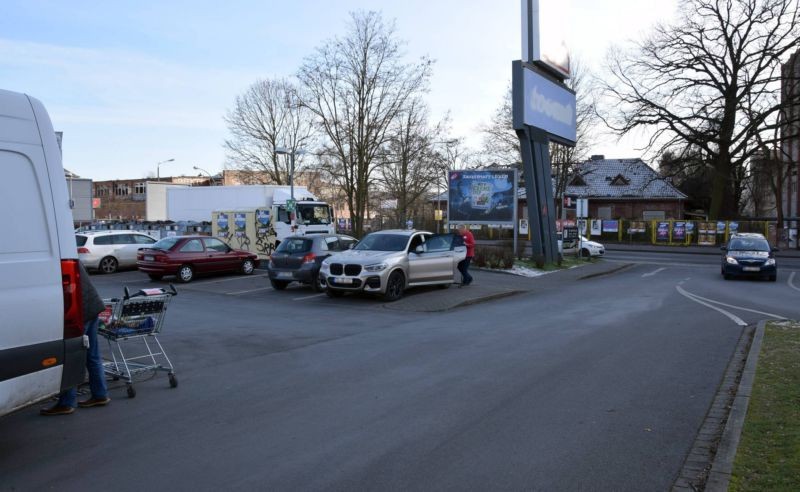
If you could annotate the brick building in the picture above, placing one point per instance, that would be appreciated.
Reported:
(125, 198)
(626, 189)
(790, 134)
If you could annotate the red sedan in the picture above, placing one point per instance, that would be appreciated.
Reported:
(185, 256)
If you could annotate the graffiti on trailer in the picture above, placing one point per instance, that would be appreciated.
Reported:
(265, 234)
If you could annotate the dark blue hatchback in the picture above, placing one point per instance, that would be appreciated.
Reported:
(749, 255)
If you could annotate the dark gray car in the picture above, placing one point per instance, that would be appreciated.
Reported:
(298, 258)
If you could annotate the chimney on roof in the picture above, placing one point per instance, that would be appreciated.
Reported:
(597, 157)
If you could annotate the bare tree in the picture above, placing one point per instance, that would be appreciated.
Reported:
(709, 81)
(264, 118)
(410, 165)
(356, 86)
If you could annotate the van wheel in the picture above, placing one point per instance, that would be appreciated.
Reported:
(278, 284)
(185, 273)
(155, 276)
(109, 264)
(394, 287)
(247, 267)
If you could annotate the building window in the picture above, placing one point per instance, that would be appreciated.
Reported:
(140, 189)
(121, 190)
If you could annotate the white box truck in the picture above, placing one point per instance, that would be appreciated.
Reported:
(266, 206)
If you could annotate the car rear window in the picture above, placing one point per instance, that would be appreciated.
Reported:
(81, 240)
(295, 245)
(165, 244)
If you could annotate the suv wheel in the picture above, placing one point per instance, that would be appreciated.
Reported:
(395, 287)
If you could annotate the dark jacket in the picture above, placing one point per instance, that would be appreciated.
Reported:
(92, 302)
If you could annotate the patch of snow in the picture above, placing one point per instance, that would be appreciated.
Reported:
(525, 271)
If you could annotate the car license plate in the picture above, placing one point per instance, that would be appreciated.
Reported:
(344, 280)
(284, 274)
(751, 269)
(149, 258)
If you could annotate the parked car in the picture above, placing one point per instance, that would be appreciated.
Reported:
(748, 254)
(590, 248)
(298, 258)
(186, 256)
(388, 262)
(108, 251)
(41, 333)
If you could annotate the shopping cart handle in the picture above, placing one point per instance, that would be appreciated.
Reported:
(127, 293)
(172, 290)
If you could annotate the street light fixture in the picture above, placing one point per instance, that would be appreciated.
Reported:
(158, 168)
(203, 170)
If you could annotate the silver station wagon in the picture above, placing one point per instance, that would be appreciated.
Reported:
(386, 263)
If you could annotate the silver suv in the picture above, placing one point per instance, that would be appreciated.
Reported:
(388, 262)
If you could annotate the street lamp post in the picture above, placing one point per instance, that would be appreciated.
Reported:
(158, 168)
(291, 153)
(203, 170)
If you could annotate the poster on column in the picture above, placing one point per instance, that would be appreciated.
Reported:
(679, 232)
(610, 226)
(597, 227)
(662, 232)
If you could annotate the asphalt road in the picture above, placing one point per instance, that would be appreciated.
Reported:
(599, 384)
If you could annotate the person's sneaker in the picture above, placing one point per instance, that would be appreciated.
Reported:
(94, 402)
(57, 410)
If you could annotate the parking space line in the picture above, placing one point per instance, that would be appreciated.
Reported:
(243, 277)
(247, 291)
(308, 297)
(790, 282)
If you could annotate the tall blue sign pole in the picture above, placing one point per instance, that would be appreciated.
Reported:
(543, 110)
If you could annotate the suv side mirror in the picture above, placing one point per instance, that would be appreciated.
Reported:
(419, 249)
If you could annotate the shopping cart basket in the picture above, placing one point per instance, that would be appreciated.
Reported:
(136, 319)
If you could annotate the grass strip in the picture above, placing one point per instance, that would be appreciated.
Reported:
(768, 456)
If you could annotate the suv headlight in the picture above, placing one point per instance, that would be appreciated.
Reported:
(731, 260)
(376, 267)
(770, 261)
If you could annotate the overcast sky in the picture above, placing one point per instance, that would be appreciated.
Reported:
(131, 83)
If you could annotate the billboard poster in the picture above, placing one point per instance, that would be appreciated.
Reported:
(690, 228)
(523, 226)
(611, 226)
(262, 220)
(679, 231)
(662, 232)
(240, 221)
(597, 227)
(582, 226)
(637, 227)
(482, 196)
(222, 224)
(733, 227)
(720, 227)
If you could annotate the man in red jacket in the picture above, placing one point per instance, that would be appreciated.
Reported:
(463, 265)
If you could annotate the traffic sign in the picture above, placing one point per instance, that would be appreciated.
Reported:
(291, 204)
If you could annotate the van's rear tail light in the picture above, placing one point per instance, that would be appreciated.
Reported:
(309, 258)
(73, 299)
(83, 251)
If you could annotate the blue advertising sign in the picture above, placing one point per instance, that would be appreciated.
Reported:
(262, 217)
(610, 226)
(679, 231)
(482, 196)
(544, 104)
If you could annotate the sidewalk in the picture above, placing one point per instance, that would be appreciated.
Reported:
(489, 285)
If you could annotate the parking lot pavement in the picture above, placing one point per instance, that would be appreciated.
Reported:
(488, 285)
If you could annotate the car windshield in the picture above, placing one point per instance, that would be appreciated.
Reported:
(165, 244)
(748, 244)
(382, 242)
(313, 214)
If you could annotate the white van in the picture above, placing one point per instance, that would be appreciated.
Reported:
(41, 316)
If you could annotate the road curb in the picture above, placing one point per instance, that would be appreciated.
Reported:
(607, 272)
(722, 467)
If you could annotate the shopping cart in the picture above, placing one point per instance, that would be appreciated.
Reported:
(136, 319)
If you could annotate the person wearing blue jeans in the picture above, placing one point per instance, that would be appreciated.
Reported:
(92, 306)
